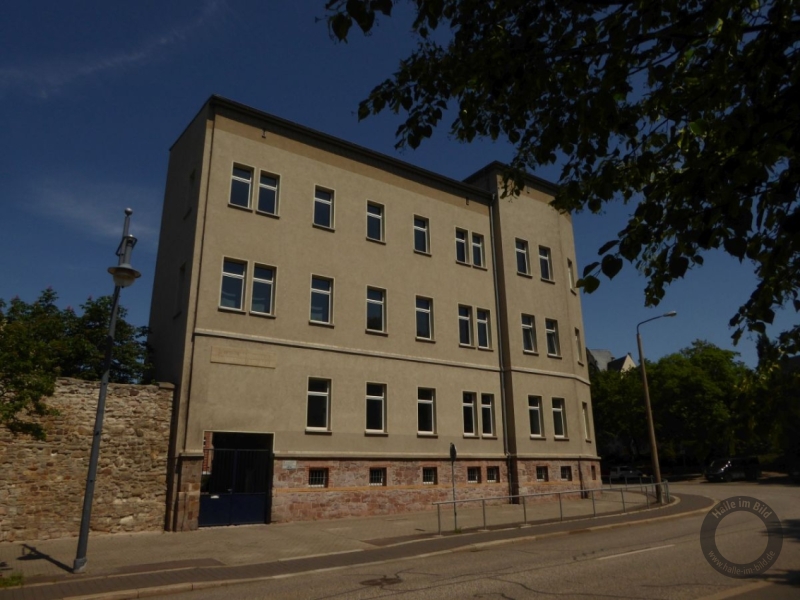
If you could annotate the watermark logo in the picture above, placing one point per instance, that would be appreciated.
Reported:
(708, 541)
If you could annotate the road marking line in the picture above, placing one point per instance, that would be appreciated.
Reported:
(635, 552)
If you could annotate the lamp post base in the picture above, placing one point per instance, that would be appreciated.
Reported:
(79, 565)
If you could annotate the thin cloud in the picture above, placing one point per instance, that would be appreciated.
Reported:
(47, 77)
(97, 209)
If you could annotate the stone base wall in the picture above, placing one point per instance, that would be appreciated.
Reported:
(580, 471)
(42, 483)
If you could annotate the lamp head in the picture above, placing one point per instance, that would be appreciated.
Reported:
(124, 274)
(671, 313)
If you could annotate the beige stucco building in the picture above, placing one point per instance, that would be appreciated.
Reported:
(334, 319)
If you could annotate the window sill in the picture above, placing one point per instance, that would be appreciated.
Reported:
(373, 240)
(260, 314)
(553, 281)
(528, 275)
(427, 435)
(531, 352)
(470, 346)
(426, 340)
(421, 253)
(463, 263)
(320, 324)
(319, 431)
(239, 311)
(264, 213)
(485, 348)
(376, 332)
(323, 227)
(580, 362)
(481, 267)
(239, 207)
(574, 293)
(376, 434)
(471, 436)
(558, 356)
(538, 437)
(561, 439)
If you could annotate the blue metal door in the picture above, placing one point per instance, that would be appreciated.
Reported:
(235, 487)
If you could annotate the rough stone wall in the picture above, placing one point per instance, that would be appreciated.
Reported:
(42, 483)
(528, 483)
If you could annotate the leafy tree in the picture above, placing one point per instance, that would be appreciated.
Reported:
(618, 408)
(687, 108)
(39, 342)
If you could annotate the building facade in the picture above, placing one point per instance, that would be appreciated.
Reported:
(334, 319)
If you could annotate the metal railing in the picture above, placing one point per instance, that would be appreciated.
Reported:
(642, 489)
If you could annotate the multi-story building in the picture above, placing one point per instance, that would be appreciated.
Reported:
(334, 319)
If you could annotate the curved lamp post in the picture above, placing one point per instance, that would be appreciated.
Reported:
(650, 429)
(124, 275)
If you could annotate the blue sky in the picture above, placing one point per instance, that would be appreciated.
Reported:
(94, 93)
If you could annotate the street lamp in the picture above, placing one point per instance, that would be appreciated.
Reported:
(124, 275)
(650, 429)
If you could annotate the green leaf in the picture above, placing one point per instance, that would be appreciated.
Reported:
(589, 284)
(607, 246)
(611, 265)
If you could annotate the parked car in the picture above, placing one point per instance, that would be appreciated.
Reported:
(624, 473)
(735, 467)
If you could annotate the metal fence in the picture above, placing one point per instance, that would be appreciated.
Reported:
(571, 504)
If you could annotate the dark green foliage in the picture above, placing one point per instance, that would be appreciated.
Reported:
(39, 342)
(685, 108)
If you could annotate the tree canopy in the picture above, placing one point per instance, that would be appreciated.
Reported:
(39, 342)
(686, 108)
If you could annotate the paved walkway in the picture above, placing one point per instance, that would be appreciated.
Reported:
(134, 565)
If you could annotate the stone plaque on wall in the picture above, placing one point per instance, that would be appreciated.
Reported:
(289, 465)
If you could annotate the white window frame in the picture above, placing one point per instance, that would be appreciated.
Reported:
(546, 259)
(468, 320)
(270, 282)
(487, 416)
(571, 273)
(587, 428)
(535, 406)
(426, 311)
(484, 322)
(551, 333)
(380, 219)
(234, 276)
(239, 179)
(468, 403)
(427, 232)
(381, 303)
(529, 327)
(523, 252)
(542, 475)
(375, 398)
(328, 293)
(477, 245)
(578, 345)
(427, 402)
(263, 186)
(330, 202)
(319, 471)
(493, 474)
(382, 475)
(462, 243)
(327, 396)
(560, 414)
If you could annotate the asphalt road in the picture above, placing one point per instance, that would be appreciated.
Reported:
(657, 560)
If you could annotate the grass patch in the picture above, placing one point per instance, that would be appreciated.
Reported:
(13, 580)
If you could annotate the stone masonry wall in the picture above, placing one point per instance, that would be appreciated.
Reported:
(42, 483)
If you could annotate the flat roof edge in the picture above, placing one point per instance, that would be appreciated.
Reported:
(499, 166)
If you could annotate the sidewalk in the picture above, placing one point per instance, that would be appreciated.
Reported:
(125, 565)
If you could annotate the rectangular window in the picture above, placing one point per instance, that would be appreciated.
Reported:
(468, 409)
(323, 208)
(541, 474)
(263, 290)
(559, 418)
(461, 246)
(421, 235)
(465, 325)
(268, 194)
(487, 414)
(586, 425)
(376, 407)
(318, 478)
(493, 474)
(484, 333)
(377, 476)
(376, 309)
(374, 222)
(566, 473)
(232, 294)
(545, 263)
(426, 413)
(551, 330)
(529, 333)
(578, 345)
(594, 473)
(535, 415)
(424, 318)
(241, 179)
(473, 474)
(321, 299)
(477, 250)
(319, 401)
(571, 273)
(429, 475)
(522, 257)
